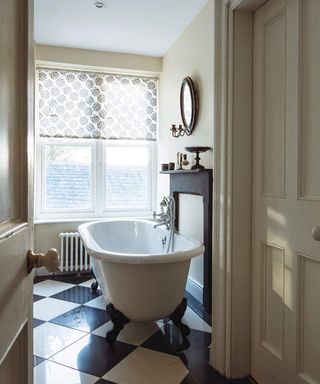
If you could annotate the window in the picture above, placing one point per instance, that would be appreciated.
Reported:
(95, 144)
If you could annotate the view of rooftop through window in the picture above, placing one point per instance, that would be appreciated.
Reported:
(68, 176)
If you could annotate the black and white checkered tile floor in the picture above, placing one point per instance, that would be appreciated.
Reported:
(70, 323)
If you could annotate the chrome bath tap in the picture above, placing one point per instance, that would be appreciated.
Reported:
(166, 216)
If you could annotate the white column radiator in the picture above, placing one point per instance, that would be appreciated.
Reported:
(73, 255)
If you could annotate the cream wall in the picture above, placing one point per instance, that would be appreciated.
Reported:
(191, 55)
(47, 235)
(99, 59)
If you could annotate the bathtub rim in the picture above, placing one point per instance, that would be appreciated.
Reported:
(94, 250)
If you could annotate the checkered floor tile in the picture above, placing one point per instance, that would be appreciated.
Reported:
(70, 324)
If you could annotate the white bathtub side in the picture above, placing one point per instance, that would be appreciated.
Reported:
(99, 275)
(143, 292)
(135, 242)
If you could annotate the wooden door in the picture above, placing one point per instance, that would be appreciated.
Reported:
(286, 193)
(16, 127)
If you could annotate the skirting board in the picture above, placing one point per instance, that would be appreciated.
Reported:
(195, 289)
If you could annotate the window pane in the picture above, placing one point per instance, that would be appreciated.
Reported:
(127, 177)
(67, 177)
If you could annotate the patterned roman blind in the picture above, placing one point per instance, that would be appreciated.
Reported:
(79, 104)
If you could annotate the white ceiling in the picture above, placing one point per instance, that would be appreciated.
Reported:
(145, 27)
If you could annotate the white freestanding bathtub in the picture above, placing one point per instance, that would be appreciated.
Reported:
(135, 273)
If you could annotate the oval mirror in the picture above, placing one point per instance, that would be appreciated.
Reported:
(188, 105)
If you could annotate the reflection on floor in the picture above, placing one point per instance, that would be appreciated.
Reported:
(70, 324)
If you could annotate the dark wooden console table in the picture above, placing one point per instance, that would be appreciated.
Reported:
(197, 182)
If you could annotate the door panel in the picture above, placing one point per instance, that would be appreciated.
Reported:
(286, 190)
(16, 230)
(16, 357)
(272, 295)
(308, 319)
(309, 159)
(273, 94)
(15, 305)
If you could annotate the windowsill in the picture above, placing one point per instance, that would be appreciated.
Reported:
(88, 219)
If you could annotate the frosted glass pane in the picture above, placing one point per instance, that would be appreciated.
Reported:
(127, 178)
(67, 177)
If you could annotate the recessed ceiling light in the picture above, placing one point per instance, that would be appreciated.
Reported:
(99, 4)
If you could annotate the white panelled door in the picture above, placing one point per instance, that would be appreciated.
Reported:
(286, 193)
(16, 227)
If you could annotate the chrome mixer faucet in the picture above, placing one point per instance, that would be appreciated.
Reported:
(166, 215)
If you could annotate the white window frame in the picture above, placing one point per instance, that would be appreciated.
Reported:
(98, 198)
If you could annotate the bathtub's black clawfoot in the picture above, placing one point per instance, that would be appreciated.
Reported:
(177, 316)
(118, 320)
(94, 285)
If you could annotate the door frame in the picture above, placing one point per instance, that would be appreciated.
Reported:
(231, 269)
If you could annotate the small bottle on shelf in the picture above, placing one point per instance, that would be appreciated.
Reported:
(185, 161)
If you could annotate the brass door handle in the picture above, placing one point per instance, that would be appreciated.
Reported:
(316, 232)
(37, 260)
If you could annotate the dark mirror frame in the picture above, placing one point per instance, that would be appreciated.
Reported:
(187, 82)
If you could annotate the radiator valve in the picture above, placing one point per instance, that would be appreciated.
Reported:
(37, 260)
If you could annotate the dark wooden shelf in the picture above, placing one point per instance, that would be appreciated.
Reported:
(197, 182)
(186, 171)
